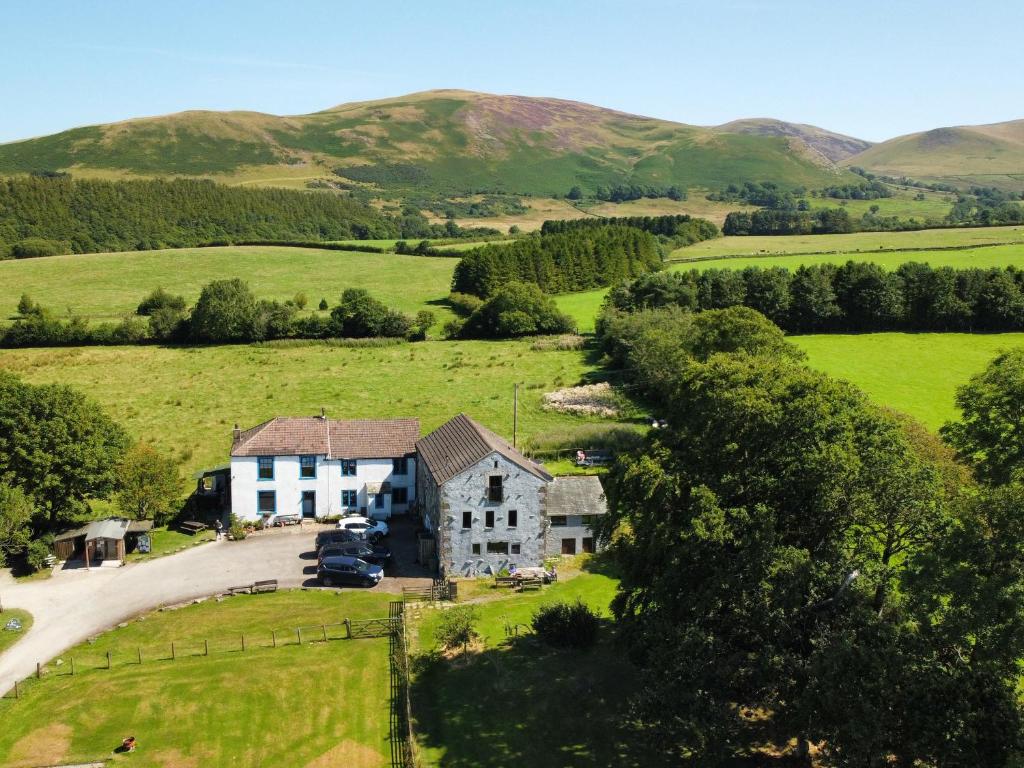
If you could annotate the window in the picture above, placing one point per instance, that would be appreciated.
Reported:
(467, 519)
(307, 466)
(516, 549)
(265, 466)
(348, 467)
(568, 546)
(476, 549)
(588, 544)
(494, 490)
(349, 499)
(399, 495)
(489, 518)
(497, 547)
(586, 520)
(378, 500)
(513, 518)
(558, 521)
(266, 502)
(400, 466)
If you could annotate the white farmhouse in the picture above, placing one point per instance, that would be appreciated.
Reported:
(319, 467)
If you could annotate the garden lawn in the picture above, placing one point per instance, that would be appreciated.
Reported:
(852, 243)
(186, 399)
(166, 541)
(516, 702)
(314, 704)
(107, 286)
(916, 373)
(7, 639)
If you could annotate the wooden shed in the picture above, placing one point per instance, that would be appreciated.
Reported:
(101, 541)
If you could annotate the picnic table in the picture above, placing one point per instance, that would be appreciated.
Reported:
(193, 527)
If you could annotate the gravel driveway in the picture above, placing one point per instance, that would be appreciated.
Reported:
(76, 604)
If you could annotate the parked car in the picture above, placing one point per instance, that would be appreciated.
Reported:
(337, 536)
(348, 570)
(375, 555)
(374, 529)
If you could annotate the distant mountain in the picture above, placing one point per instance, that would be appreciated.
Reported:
(442, 142)
(834, 147)
(970, 154)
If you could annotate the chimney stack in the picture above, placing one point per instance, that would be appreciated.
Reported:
(236, 434)
(323, 413)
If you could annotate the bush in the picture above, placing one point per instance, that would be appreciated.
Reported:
(464, 304)
(32, 247)
(360, 315)
(226, 312)
(160, 299)
(236, 528)
(323, 305)
(456, 627)
(566, 625)
(36, 554)
(518, 309)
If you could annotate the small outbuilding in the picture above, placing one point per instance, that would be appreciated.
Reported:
(103, 542)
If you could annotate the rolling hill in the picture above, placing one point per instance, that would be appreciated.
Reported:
(989, 155)
(444, 141)
(834, 147)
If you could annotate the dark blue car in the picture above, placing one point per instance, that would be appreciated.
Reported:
(348, 571)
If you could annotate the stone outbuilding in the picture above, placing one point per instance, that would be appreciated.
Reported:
(487, 506)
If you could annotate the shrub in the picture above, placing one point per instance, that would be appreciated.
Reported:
(360, 315)
(323, 305)
(225, 312)
(518, 309)
(236, 528)
(36, 554)
(566, 625)
(464, 304)
(168, 324)
(300, 300)
(27, 307)
(32, 247)
(160, 299)
(456, 627)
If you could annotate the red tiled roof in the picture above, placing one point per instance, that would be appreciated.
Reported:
(317, 436)
(460, 443)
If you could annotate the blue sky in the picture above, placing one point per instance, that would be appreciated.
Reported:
(870, 69)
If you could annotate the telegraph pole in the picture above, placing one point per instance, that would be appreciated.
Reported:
(515, 413)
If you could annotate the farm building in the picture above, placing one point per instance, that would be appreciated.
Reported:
(318, 467)
(101, 542)
(488, 507)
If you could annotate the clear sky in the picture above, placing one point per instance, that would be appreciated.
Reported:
(871, 69)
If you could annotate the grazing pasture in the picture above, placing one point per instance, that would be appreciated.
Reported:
(186, 399)
(314, 704)
(107, 286)
(916, 373)
(856, 242)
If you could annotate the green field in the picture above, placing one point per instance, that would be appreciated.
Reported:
(514, 702)
(857, 242)
(983, 258)
(186, 400)
(315, 704)
(916, 373)
(902, 204)
(110, 285)
(9, 638)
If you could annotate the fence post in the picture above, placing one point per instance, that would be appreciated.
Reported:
(39, 671)
(139, 649)
(206, 647)
(243, 642)
(17, 690)
(348, 629)
(273, 636)
(324, 628)
(72, 666)
(174, 654)
(298, 634)
(108, 659)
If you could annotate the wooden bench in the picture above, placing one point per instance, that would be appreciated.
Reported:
(530, 583)
(269, 585)
(506, 581)
(193, 527)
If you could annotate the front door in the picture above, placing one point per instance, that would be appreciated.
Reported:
(309, 503)
(568, 546)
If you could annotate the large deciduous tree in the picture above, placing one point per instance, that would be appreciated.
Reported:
(58, 446)
(990, 434)
(773, 529)
(15, 522)
(149, 484)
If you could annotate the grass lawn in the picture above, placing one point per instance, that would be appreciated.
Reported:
(166, 542)
(990, 256)
(582, 306)
(856, 242)
(110, 285)
(902, 204)
(186, 400)
(314, 704)
(516, 702)
(9, 638)
(916, 373)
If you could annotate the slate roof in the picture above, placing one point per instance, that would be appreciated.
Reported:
(111, 528)
(335, 439)
(461, 443)
(576, 495)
